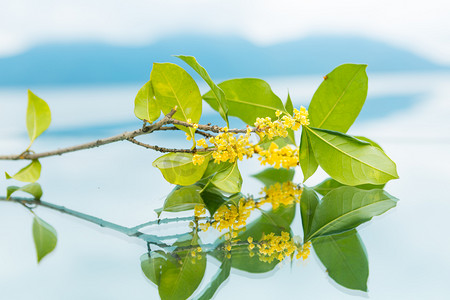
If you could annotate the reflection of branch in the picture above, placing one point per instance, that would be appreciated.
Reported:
(158, 126)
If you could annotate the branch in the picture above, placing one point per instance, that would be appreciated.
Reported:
(162, 149)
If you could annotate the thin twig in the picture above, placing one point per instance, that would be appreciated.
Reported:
(162, 149)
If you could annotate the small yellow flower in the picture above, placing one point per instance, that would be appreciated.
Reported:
(199, 249)
(199, 210)
(202, 143)
(250, 240)
(198, 159)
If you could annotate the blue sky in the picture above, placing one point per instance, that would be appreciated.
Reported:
(422, 27)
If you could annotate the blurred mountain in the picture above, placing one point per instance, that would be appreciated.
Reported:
(223, 57)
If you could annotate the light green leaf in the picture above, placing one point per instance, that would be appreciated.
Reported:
(270, 176)
(145, 106)
(365, 139)
(216, 91)
(349, 160)
(307, 160)
(173, 86)
(330, 184)
(214, 168)
(308, 205)
(177, 168)
(183, 198)
(33, 189)
(346, 208)
(152, 264)
(339, 99)
(228, 180)
(345, 258)
(30, 173)
(216, 282)
(178, 281)
(289, 106)
(248, 99)
(44, 236)
(38, 116)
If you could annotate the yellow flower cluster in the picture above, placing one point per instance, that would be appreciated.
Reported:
(279, 127)
(230, 148)
(202, 143)
(199, 210)
(286, 194)
(198, 159)
(273, 246)
(304, 251)
(233, 217)
(286, 157)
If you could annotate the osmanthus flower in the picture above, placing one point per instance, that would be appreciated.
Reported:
(198, 159)
(233, 217)
(303, 251)
(286, 157)
(286, 194)
(273, 246)
(230, 148)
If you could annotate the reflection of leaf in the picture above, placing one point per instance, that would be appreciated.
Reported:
(38, 116)
(248, 99)
(339, 99)
(145, 106)
(173, 86)
(347, 207)
(44, 236)
(180, 280)
(218, 279)
(152, 263)
(270, 176)
(33, 189)
(349, 160)
(183, 198)
(308, 204)
(228, 180)
(178, 168)
(215, 90)
(306, 157)
(30, 173)
(330, 184)
(345, 258)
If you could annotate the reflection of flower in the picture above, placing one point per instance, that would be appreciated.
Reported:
(286, 194)
(272, 246)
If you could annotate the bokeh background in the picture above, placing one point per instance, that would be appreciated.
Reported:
(88, 59)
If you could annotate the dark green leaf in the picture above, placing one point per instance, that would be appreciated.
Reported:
(183, 198)
(213, 199)
(270, 176)
(339, 99)
(38, 116)
(177, 168)
(346, 208)
(216, 91)
(173, 86)
(308, 204)
(30, 173)
(349, 160)
(44, 238)
(248, 99)
(33, 189)
(306, 157)
(216, 282)
(345, 258)
(330, 184)
(145, 106)
(152, 264)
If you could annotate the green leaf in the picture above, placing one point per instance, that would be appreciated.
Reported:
(33, 189)
(307, 160)
(345, 258)
(145, 106)
(216, 282)
(213, 199)
(270, 176)
(214, 168)
(362, 138)
(339, 99)
(346, 208)
(308, 205)
(217, 92)
(152, 264)
(289, 106)
(228, 180)
(349, 160)
(173, 86)
(177, 168)
(180, 280)
(38, 116)
(30, 173)
(330, 184)
(44, 236)
(248, 99)
(183, 198)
